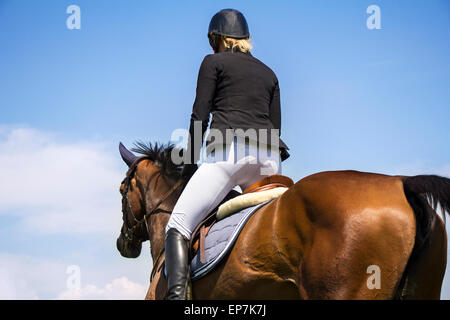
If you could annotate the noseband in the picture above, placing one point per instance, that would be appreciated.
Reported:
(129, 234)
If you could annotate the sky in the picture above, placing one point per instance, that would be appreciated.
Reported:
(352, 98)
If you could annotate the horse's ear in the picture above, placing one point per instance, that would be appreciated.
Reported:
(126, 154)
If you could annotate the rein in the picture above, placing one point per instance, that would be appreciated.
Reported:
(130, 233)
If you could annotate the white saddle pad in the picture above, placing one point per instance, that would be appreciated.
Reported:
(248, 200)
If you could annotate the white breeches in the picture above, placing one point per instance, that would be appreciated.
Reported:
(238, 165)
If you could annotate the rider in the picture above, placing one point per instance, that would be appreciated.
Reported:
(241, 93)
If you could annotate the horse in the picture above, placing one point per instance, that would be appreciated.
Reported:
(332, 235)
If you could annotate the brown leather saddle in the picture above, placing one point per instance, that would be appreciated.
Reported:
(199, 234)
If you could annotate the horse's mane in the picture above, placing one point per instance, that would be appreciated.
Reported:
(160, 154)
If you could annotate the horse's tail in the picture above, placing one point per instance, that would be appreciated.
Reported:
(421, 191)
(424, 193)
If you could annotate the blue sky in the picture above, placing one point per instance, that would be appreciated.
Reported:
(352, 98)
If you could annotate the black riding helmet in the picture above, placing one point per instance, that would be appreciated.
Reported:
(229, 23)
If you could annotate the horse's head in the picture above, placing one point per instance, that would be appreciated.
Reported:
(149, 191)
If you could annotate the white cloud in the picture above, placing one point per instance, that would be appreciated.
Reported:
(25, 277)
(66, 190)
(59, 187)
(11, 289)
(118, 289)
(29, 277)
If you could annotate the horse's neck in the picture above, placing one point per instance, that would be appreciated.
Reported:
(157, 233)
(158, 221)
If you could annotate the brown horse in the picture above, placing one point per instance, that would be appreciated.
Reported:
(332, 235)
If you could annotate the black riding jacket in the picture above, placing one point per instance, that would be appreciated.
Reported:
(240, 91)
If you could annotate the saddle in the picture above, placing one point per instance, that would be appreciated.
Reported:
(267, 183)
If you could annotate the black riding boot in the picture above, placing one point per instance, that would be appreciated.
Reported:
(177, 268)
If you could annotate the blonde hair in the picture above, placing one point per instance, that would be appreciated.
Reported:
(242, 45)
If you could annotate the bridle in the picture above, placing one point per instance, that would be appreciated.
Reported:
(130, 232)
